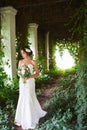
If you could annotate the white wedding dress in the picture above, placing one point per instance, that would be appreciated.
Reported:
(28, 110)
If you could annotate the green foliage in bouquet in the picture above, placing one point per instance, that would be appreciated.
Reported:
(24, 71)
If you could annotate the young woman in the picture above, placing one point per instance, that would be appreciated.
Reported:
(28, 110)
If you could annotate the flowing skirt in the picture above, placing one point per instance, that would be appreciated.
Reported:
(28, 110)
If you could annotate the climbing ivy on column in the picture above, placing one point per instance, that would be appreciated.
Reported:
(80, 29)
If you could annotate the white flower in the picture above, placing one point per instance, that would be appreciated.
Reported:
(23, 71)
(27, 50)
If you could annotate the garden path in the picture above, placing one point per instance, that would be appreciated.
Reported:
(47, 92)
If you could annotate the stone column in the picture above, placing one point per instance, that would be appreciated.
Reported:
(32, 31)
(8, 38)
(47, 49)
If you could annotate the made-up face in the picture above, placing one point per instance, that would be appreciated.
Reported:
(23, 54)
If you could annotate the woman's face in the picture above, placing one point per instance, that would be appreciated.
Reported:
(23, 54)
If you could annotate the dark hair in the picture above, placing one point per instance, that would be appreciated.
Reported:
(27, 50)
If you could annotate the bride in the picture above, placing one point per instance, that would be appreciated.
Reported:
(28, 110)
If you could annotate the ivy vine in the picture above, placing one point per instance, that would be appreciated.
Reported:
(79, 29)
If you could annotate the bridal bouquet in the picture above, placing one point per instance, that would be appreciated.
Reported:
(24, 72)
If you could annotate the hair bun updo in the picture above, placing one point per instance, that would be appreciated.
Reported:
(27, 50)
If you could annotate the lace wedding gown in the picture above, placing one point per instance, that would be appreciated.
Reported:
(28, 110)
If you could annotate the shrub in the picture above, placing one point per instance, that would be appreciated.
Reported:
(7, 116)
(61, 108)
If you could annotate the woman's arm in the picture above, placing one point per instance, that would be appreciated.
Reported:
(19, 64)
(36, 70)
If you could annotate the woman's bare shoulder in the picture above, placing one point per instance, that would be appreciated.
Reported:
(20, 61)
(33, 62)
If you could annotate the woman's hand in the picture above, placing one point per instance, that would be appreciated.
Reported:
(24, 80)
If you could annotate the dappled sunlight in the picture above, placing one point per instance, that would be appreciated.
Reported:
(65, 61)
